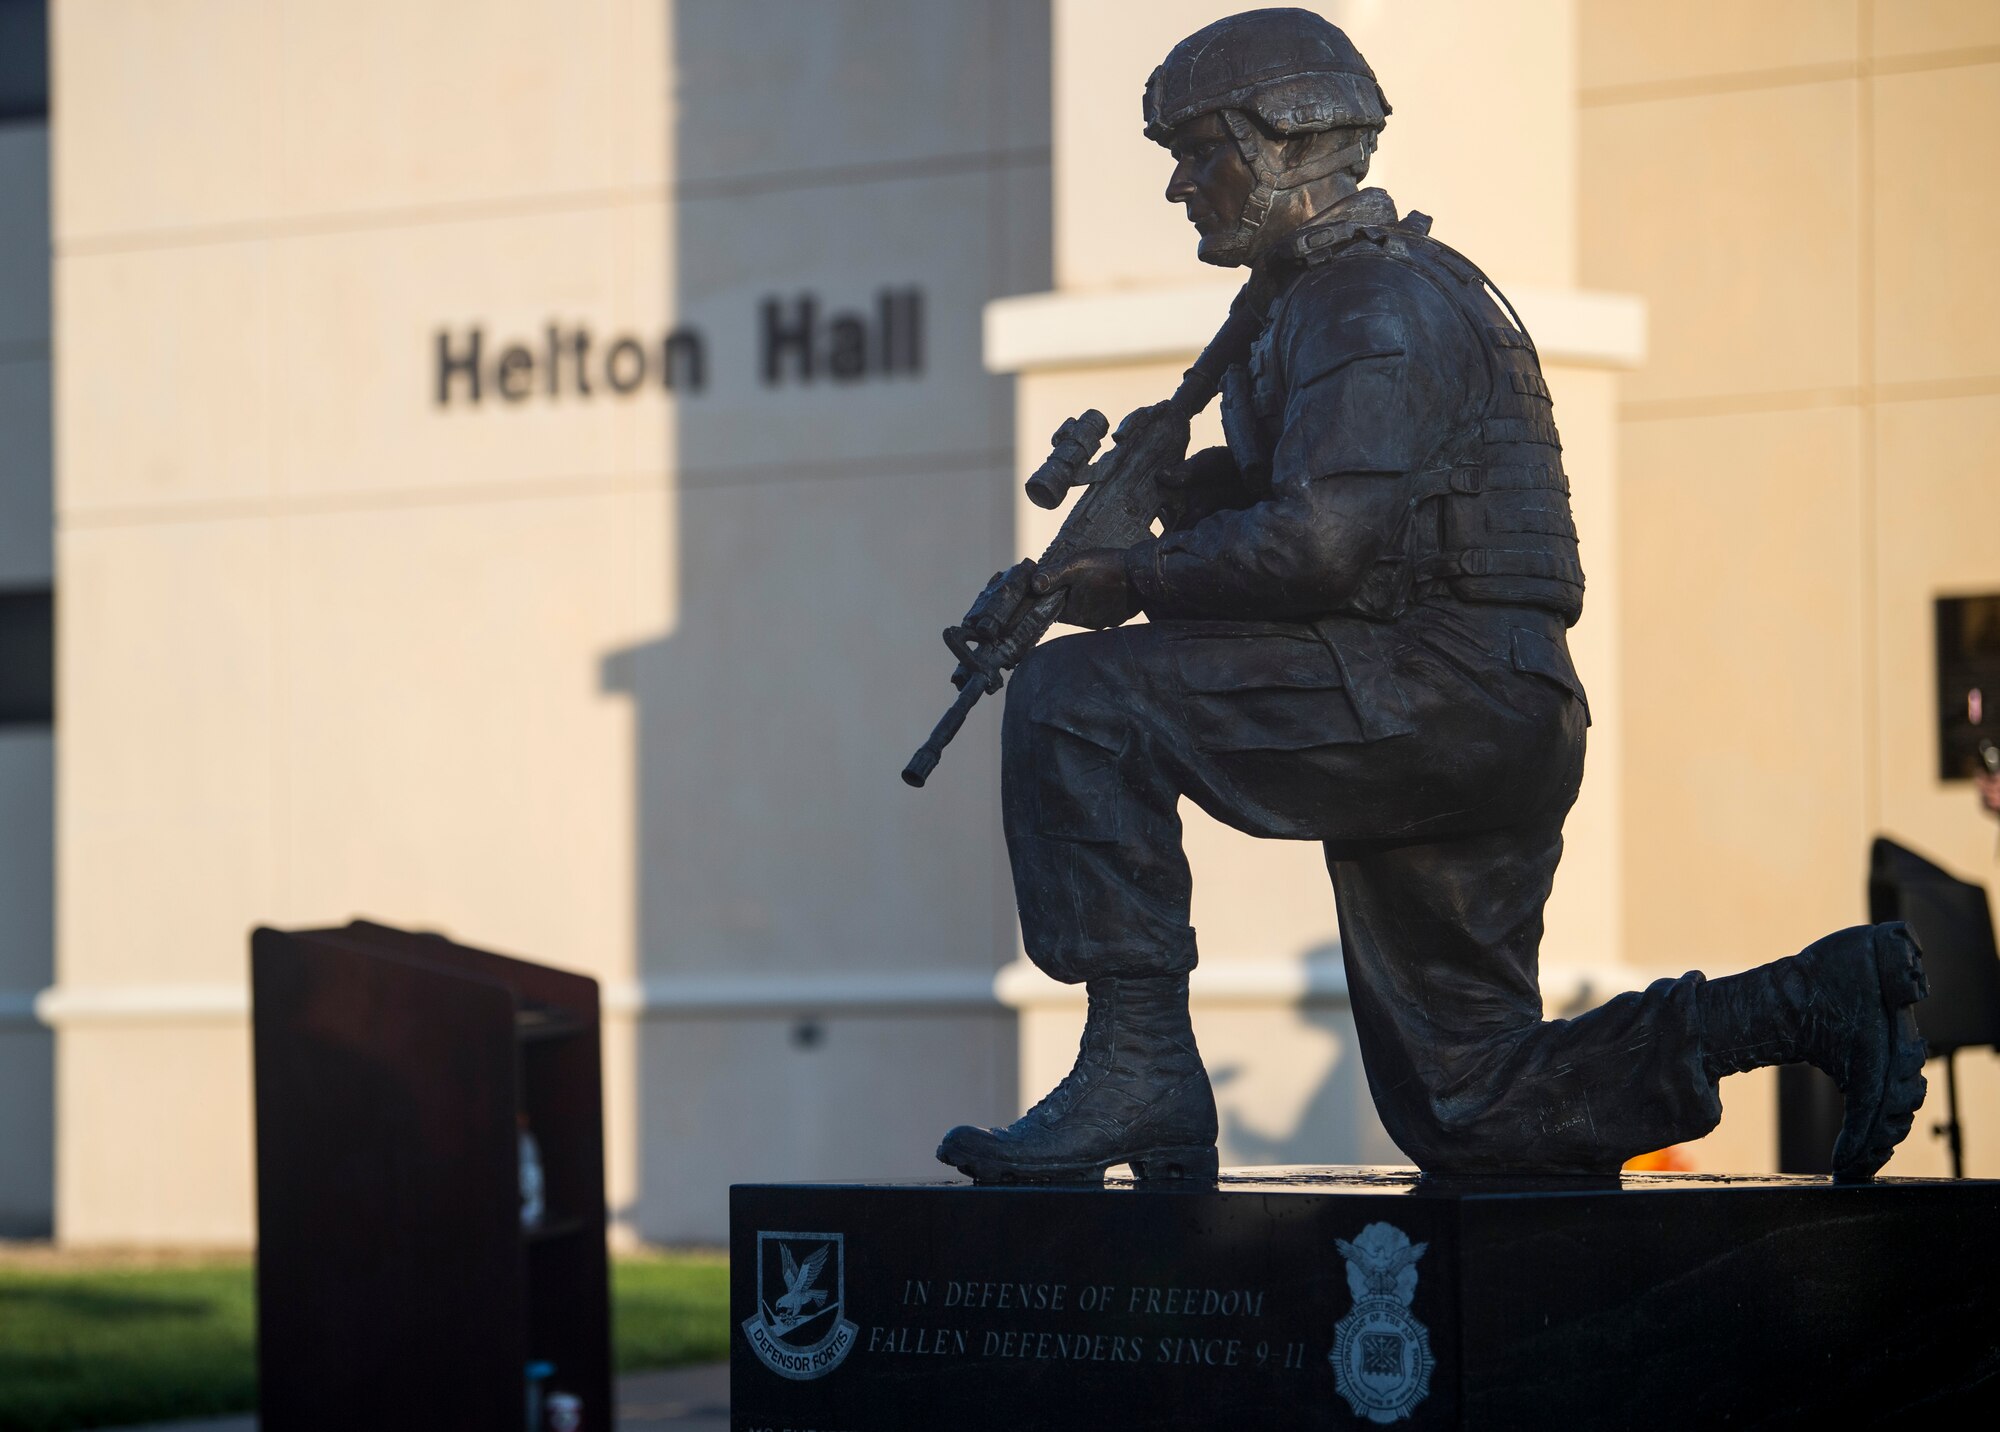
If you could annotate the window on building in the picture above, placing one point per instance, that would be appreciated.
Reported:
(27, 658)
(1968, 668)
(24, 59)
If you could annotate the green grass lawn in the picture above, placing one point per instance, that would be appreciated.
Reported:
(669, 1308)
(98, 1346)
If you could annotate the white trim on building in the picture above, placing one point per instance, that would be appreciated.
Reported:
(1132, 325)
(1016, 986)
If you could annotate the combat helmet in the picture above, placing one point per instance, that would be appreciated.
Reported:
(1290, 71)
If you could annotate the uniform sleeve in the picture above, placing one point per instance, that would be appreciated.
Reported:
(1365, 402)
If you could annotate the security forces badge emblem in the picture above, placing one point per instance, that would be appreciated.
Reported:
(799, 1330)
(1381, 1354)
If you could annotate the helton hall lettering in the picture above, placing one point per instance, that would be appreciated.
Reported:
(800, 341)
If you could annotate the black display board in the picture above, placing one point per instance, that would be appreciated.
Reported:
(1344, 1298)
(397, 1285)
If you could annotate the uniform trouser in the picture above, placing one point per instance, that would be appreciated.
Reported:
(1442, 840)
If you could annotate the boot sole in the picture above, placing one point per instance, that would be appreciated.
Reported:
(1173, 1164)
(1872, 1129)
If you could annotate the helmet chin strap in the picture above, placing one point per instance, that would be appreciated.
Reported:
(1274, 178)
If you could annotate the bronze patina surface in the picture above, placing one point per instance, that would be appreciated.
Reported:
(1357, 616)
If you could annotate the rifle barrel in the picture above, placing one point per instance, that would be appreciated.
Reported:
(925, 761)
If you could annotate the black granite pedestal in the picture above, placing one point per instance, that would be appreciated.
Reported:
(1300, 1298)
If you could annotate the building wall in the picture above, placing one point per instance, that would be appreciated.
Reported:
(1802, 193)
(620, 683)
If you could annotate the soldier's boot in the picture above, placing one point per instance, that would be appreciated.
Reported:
(1843, 1005)
(1138, 1094)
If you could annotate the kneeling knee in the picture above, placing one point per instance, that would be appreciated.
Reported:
(1059, 677)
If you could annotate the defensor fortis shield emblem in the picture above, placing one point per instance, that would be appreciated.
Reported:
(1381, 1354)
(799, 1329)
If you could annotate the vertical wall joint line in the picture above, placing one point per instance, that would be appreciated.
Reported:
(1869, 514)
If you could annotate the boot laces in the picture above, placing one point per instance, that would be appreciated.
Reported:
(1087, 1069)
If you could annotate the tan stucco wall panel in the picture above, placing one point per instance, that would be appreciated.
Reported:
(1934, 466)
(250, 109)
(1749, 812)
(1113, 226)
(802, 1096)
(167, 777)
(1623, 43)
(938, 233)
(1743, 241)
(1256, 899)
(1930, 27)
(1924, 1154)
(154, 1146)
(527, 104)
(956, 80)
(1289, 1086)
(1937, 148)
(808, 853)
(619, 1048)
(164, 391)
(1584, 921)
(1933, 538)
(1746, 1141)
(356, 318)
(408, 703)
(1450, 67)
(196, 79)
(1743, 685)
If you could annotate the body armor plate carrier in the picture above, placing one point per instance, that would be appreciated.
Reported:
(1490, 518)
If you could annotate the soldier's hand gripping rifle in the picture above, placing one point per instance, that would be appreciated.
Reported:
(1121, 498)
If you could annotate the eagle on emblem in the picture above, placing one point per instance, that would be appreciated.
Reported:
(1381, 1263)
(800, 1293)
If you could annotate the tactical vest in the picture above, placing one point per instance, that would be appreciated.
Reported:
(1489, 520)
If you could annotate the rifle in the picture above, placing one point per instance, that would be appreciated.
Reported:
(1122, 497)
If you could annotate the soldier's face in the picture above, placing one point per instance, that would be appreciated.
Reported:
(1211, 180)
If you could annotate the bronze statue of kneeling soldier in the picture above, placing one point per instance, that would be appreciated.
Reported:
(1356, 635)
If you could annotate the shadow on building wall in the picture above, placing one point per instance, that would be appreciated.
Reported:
(1289, 1083)
(816, 941)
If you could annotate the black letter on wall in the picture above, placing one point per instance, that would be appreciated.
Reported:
(515, 362)
(683, 346)
(847, 354)
(903, 322)
(796, 338)
(625, 365)
(451, 364)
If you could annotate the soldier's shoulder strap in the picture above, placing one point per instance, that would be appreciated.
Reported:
(1409, 240)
